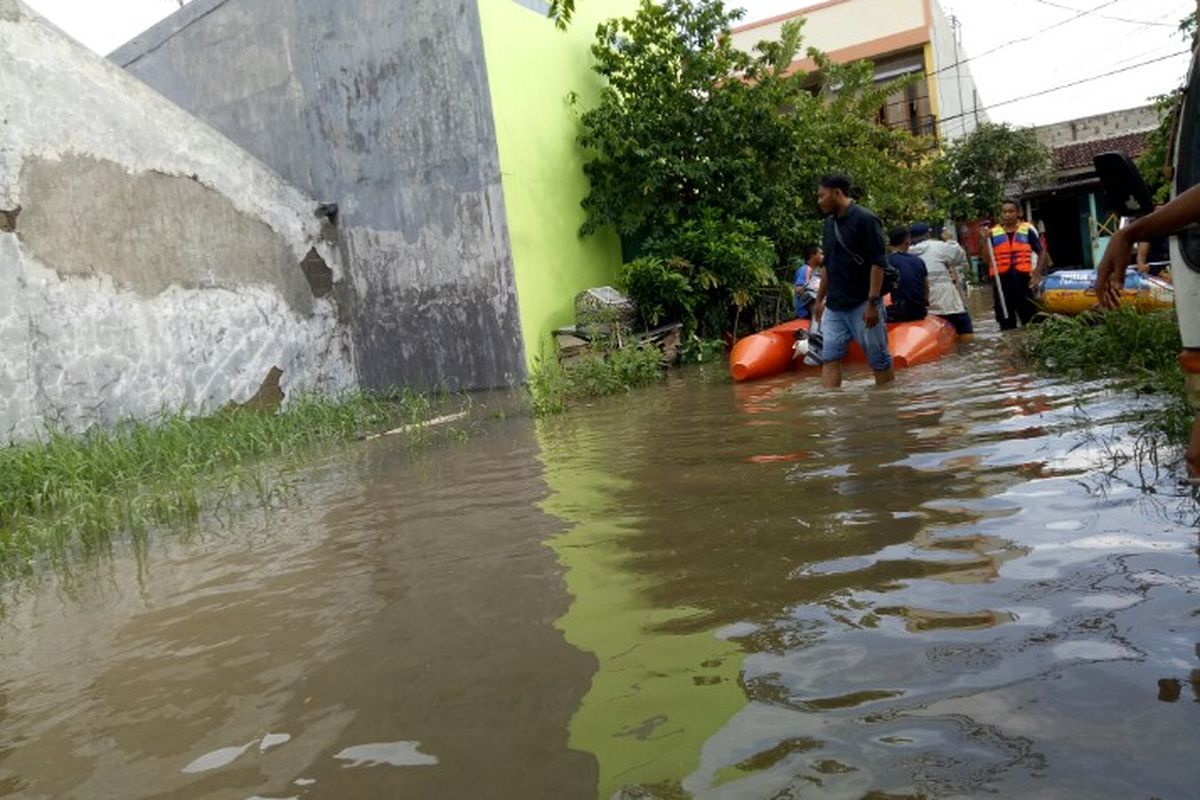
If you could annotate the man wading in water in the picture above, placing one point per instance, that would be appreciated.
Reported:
(849, 304)
(1015, 260)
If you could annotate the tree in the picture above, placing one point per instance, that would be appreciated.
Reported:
(977, 171)
(699, 151)
(561, 12)
(1154, 164)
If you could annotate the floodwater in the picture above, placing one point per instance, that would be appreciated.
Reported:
(975, 583)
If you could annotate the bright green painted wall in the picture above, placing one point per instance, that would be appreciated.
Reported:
(532, 66)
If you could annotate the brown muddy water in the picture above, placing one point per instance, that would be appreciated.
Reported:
(971, 584)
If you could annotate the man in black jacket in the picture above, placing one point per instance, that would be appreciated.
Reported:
(849, 303)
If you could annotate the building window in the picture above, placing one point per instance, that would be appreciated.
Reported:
(909, 109)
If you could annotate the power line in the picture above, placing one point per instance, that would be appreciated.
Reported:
(1020, 39)
(1065, 86)
(1106, 16)
(1126, 37)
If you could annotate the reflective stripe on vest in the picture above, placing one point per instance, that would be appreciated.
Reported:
(1017, 254)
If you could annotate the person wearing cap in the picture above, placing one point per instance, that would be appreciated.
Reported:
(943, 262)
(910, 298)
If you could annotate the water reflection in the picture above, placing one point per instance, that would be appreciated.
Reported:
(393, 636)
(869, 571)
(971, 583)
(656, 697)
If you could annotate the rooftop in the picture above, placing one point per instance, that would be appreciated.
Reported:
(1079, 154)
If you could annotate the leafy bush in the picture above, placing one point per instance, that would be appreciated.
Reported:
(701, 351)
(661, 288)
(1121, 342)
(553, 386)
(699, 271)
(549, 386)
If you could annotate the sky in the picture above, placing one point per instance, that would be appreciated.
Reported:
(1116, 35)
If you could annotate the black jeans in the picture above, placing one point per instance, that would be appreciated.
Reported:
(1018, 297)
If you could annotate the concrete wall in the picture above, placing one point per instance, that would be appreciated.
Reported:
(146, 262)
(542, 165)
(1099, 126)
(383, 107)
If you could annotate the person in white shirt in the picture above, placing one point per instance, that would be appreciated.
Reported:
(943, 263)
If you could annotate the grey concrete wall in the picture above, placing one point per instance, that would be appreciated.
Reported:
(1098, 126)
(381, 106)
(147, 263)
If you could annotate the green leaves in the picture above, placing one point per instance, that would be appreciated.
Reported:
(1155, 162)
(709, 157)
(992, 161)
(700, 270)
(661, 291)
(561, 12)
(606, 369)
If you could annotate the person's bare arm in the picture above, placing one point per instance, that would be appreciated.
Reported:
(871, 313)
(819, 306)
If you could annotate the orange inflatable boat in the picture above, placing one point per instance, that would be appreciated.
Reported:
(769, 352)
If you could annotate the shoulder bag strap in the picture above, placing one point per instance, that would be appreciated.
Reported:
(837, 233)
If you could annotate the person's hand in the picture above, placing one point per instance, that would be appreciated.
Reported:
(818, 311)
(1035, 281)
(799, 289)
(871, 314)
(1143, 267)
(1110, 274)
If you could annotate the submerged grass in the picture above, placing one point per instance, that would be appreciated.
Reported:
(554, 386)
(71, 493)
(1138, 350)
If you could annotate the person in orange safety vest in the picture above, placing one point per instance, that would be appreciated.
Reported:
(1015, 262)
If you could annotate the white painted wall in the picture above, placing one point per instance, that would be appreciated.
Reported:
(956, 88)
(844, 24)
(85, 342)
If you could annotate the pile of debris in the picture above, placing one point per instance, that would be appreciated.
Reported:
(606, 319)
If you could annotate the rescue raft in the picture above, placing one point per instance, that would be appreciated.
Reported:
(770, 352)
(1073, 291)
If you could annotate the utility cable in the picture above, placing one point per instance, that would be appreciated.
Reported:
(1106, 16)
(1020, 39)
(1060, 87)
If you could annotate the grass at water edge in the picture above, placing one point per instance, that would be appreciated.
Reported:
(71, 494)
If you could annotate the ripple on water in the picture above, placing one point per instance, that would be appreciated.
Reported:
(952, 593)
